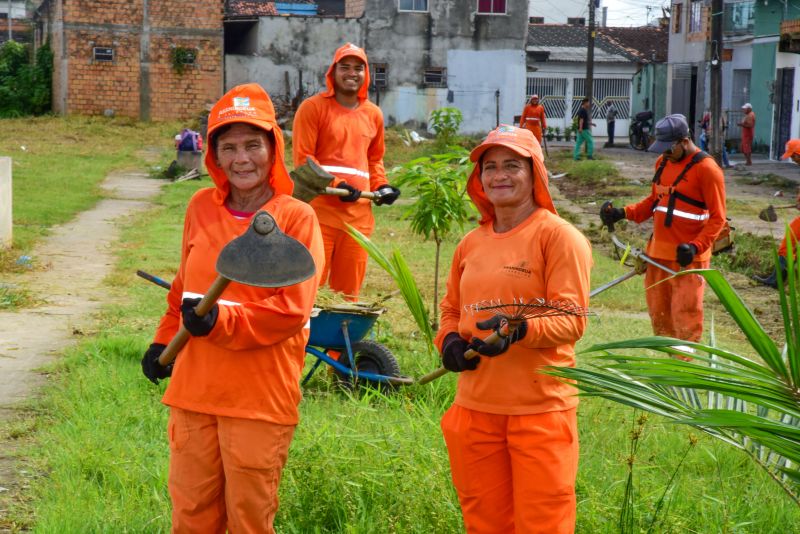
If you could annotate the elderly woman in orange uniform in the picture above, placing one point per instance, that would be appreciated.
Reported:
(511, 432)
(234, 389)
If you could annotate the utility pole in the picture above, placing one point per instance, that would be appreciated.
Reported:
(8, 18)
(717, 137)
(590, 57)
(497, 108)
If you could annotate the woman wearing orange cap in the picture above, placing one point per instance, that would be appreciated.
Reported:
(511, 432)
(792, 151)
(234, 389)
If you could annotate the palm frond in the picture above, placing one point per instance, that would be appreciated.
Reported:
(752, 403)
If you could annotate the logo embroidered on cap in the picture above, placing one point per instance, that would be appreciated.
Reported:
(241, 101)
(506, 129)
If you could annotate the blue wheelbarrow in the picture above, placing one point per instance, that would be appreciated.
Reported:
(342, 329)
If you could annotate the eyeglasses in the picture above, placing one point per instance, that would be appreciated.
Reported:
(674, 146)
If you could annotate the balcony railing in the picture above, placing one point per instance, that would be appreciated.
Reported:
(790, 36)
(738, 18)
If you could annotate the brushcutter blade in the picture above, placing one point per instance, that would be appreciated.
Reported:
(310, 180)
(768, 214)
(264, 256)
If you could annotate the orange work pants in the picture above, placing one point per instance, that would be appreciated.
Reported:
(676, 305)
(224, 472)
(514, 473)
(537, 132)
(345, 262)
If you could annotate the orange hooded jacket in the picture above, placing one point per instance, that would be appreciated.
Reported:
(249, 365)
(705, 183)
(348, 143)
(534, 120)
(543, 257)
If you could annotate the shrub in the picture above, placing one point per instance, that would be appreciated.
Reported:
(445, 122)
(24, 86)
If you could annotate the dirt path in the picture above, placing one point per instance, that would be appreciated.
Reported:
(76, 257)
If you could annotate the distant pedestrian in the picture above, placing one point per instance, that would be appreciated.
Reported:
(584, 133)
(748, 124)
(611, 118)
(533, 118)
(707, 127)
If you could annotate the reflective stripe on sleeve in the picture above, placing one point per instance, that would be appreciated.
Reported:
(684, 214)
(223, 302)
(346, 170)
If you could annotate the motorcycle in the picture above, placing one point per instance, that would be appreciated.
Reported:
(639, 131)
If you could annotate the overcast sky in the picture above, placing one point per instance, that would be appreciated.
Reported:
(631, 12)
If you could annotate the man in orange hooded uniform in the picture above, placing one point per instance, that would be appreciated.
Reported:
(511, 432)
(687, 205)
(533, 118)
(235, 385)
(343, 131)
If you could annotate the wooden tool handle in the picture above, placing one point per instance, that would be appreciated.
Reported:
(202, 308)
(344, 192)
(470, 354)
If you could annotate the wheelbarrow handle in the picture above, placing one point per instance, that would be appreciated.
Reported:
(494, 337)
(344, 192)
(202, 308)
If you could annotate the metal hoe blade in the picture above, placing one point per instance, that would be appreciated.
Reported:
(310, 180)
(768, 214)
(265, 257)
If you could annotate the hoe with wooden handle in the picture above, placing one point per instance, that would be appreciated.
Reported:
(311, 180)
(263, 256)
(768, 214)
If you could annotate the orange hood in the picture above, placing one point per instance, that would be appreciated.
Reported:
(348, 49)
(523, 142)
(249, 104)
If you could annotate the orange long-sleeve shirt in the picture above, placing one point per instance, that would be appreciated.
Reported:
(544, 257)
(533, 119)
(793, 232)
(349, 144)
(249, 365)
(704, 182)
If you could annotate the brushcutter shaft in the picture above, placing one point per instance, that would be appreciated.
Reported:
(612, 283)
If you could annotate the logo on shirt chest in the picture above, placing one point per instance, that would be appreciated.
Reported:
(518, 270)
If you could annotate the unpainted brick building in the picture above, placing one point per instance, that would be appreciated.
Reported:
(147, 59)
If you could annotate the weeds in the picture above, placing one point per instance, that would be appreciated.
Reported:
(12, 298)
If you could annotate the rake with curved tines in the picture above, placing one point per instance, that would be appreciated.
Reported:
(515, 312)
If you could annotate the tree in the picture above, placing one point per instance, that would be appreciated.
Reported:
(438, 184)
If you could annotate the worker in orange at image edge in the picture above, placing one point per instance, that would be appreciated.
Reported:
(511, 432)
(344, 132)
(687, 205)
(235, 385)
(533, 118)
(793, 152)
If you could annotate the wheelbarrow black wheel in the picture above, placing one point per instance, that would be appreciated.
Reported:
(372, 357)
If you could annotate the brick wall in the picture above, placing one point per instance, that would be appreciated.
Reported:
(354, 8)
(130, 85)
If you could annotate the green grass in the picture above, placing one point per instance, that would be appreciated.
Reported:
(58, 163)
(359, 463)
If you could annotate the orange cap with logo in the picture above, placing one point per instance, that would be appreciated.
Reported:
(348, 49)
(792, 147)
(249, 104)
(523, 142)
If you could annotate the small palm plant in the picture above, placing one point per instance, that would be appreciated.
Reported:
(749, 401)
(438, 184)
